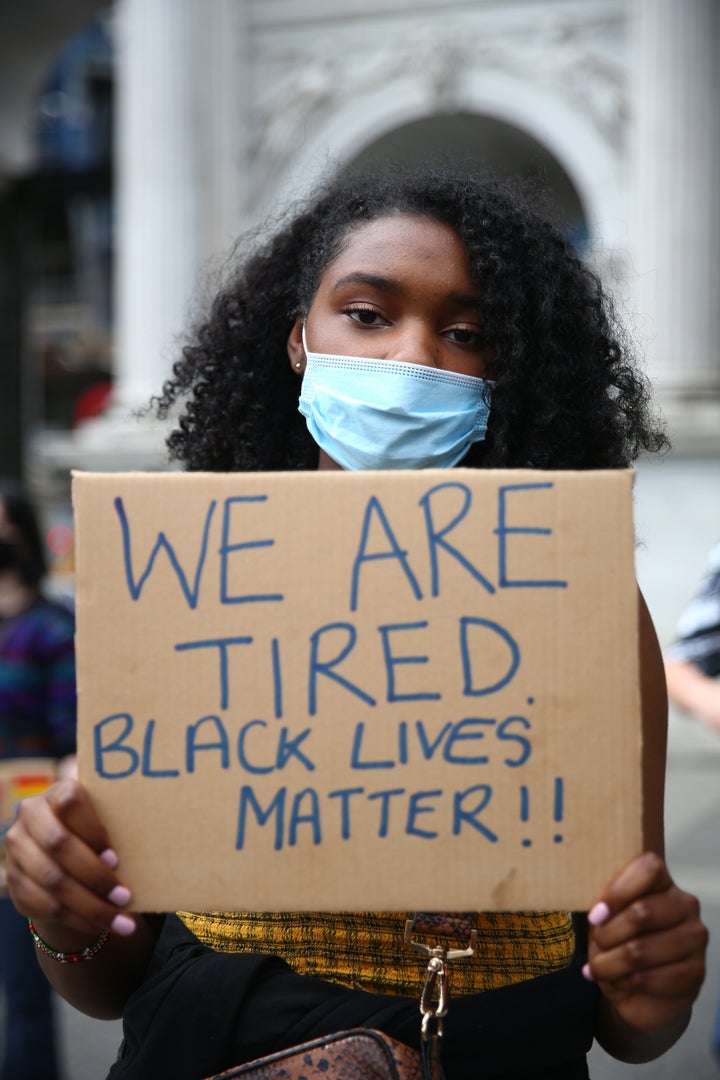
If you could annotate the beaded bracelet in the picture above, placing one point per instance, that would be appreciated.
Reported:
(68, 957)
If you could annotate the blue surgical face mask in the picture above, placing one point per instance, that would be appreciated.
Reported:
(387, 414)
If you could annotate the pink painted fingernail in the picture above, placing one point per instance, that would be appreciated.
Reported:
(109, 857)
(120, 896)
(587, 973)
(599, 914)
(122, 925)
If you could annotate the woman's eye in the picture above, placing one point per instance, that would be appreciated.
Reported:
(463, 336)
(366, 317)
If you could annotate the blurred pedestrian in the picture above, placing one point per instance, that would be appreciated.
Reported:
(692, 664)
(37, 720)
(692, 668)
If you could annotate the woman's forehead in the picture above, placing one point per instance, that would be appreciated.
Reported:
(398, 240)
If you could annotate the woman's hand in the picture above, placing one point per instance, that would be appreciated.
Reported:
(646, 952)
(60, 866)
(61, 873)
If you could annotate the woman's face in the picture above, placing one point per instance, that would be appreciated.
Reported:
(399, 290)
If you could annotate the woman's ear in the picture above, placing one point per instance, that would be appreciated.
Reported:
(295, 348)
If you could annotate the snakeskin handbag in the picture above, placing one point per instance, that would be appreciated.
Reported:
(360, 1054)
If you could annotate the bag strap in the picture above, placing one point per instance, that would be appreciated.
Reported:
(439, 927)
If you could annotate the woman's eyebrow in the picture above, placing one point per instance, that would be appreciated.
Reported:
(386, 284)
(376, 281)
(466, 299)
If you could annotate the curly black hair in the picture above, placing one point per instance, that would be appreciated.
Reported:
(567, 392)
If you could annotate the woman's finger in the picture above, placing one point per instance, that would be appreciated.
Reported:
(674, 982)
(650, 953)
(38, 904)
(652, 913)
(72, 805)
(73, 906)
(644, 875)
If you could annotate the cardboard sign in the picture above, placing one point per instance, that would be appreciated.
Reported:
(353, 691)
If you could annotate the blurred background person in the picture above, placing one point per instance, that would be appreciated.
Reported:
(692, 663)
(692, 667)
(37, 721)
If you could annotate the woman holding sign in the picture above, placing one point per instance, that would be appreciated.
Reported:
(400, 320)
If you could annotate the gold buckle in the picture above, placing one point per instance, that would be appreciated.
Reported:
(436, 978)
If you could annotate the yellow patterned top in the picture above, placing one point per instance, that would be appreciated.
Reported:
(365, 950)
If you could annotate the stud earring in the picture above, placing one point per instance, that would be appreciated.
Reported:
(298, 364)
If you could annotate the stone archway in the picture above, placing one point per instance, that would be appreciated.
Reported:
(515, 117)
(490, 143)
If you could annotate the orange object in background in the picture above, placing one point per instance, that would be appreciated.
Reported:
(20, 778)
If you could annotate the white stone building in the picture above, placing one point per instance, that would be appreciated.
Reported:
(227, 107)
